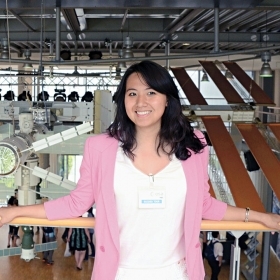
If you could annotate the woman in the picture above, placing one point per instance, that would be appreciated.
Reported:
(13, 230)
(49, 234)
(91, 232)
(78, 239)
(148, 178)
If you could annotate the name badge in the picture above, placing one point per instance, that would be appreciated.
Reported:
(152, 198)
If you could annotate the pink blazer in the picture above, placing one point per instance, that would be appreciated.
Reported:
(96, 186)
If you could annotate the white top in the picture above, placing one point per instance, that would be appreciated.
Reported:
(149, 238)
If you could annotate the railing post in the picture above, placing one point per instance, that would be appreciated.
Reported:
(266, 235)
(235, 257)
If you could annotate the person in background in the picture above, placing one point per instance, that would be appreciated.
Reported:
(13, 199)
(14, 229)
(203, 240)
(218, 253)
(37, 231)
(150, 145)
(38, 197)
(91, 232)
(50, 234)
(78, 239)
(65, 235)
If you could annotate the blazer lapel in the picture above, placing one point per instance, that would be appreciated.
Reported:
(191, 173)
(107, 189)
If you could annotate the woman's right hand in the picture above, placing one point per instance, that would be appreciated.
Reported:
(7, 214)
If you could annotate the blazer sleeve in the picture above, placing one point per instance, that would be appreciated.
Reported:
(82, 197)
(213, 209)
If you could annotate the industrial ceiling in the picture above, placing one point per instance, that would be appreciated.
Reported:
(179, 29)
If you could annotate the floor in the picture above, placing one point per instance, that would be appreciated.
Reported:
(64, 268)
(274, 266)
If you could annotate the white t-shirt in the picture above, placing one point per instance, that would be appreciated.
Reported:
(150, 239)
(218, 248)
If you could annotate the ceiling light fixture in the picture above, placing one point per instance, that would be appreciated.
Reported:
(5, 49)
(118, 76)
(128, 45)
(229, 75)
(121, 64)
(95, 55)
(204, 76)
(266, 56)
(27, 64)
(266, 70)
(163, 43)
(65, 54)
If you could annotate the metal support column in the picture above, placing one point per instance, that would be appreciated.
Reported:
(57, 34)
(167, 53)
(266, 236)
(216, 30)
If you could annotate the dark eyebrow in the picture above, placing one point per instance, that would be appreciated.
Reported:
(148, 88)
(130, 89)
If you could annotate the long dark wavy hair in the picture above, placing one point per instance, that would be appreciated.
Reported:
(176, 130)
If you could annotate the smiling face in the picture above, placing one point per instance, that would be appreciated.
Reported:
(144, 106)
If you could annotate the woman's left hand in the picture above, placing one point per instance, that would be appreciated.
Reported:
(272, 221)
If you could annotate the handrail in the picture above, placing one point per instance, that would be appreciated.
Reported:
(206, 225)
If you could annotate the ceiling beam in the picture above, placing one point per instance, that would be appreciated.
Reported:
(153, 37)
(184, 20)
(71, 19)
(21, 20)
(124, 19)
(140, 58)
(136, 4)
(81, 19)
(269, 4)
